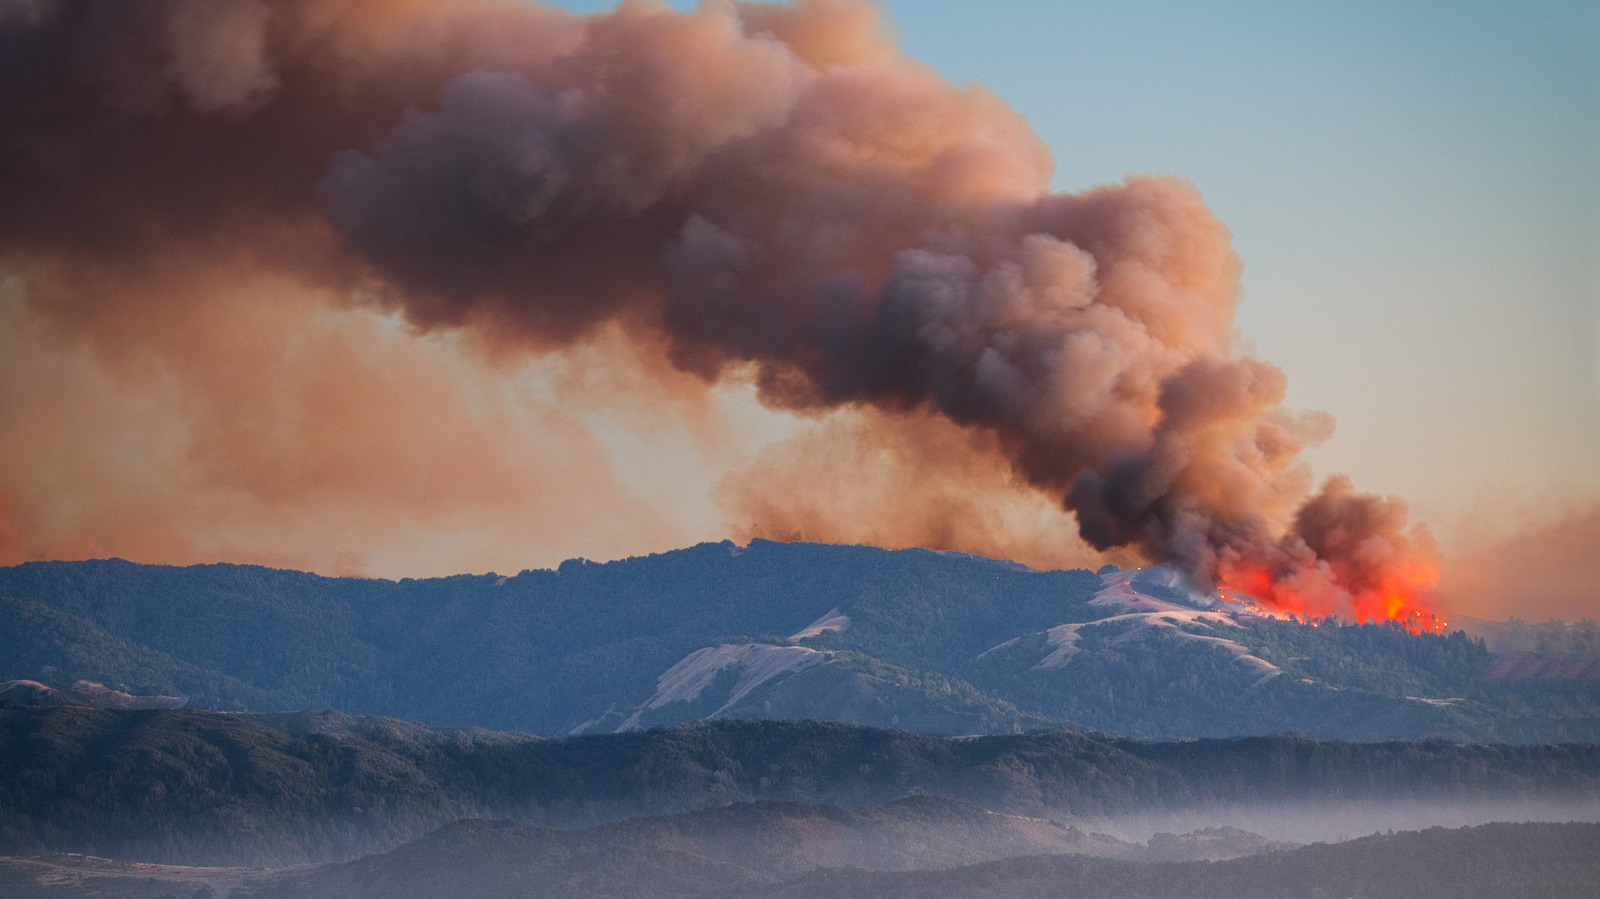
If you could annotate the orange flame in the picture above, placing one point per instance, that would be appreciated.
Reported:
(1396, 593)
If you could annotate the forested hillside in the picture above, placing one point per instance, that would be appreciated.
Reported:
(191, 786)
(936, 642)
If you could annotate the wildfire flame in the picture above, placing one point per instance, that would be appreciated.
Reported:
(1399, 594)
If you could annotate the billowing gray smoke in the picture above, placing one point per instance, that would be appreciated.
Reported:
(757, 188)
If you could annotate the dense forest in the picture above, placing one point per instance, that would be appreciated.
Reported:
(937, 642)
(805, 720)
(194, 786)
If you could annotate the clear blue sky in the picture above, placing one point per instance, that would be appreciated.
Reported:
(1414, 188)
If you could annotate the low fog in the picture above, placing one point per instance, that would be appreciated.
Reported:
(1302, 822)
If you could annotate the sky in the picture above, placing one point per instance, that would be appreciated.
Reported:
(1413, 190)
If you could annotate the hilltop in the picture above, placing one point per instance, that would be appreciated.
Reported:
(941, 643)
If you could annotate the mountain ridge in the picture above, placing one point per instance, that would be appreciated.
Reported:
(946, 643)
(222, 788)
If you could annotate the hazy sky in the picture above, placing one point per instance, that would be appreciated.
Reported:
(1414, 189)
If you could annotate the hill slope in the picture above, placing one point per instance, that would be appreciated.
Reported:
(938, 642)
(198, 787)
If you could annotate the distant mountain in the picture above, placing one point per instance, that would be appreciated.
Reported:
(199, 787)
(943, 643)
(740, 850)
(1548, 861)
(1553, 637)
(510, 860)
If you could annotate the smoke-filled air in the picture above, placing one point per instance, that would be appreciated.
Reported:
(220, 209)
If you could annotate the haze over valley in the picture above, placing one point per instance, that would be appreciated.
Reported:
(730, 720)
(867, 487)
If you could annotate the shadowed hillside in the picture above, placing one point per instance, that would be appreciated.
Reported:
(935, 642)
(197, 787)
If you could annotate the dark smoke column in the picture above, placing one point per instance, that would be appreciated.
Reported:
(769, 188)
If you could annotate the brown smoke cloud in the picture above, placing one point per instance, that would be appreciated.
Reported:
(1541, 563)
(753, 192)
(221, 412)
(902, 481)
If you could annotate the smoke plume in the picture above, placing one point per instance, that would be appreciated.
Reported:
(900, 481)
(1546, 560)
(751, 192)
